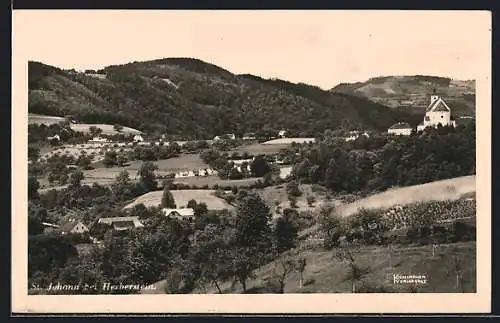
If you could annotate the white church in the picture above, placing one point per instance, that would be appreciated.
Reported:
(438, 112)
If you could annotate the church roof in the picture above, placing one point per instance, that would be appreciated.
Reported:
(438, 106)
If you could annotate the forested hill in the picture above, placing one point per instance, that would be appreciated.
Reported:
(198, 100)
(412, 93)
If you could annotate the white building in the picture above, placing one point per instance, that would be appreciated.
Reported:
(282, 133)
(438, 112)
(99, 140)
(121, 223)
(400, 129)
(353, 135)
(56, 137)
(138, 138)
(186, 213)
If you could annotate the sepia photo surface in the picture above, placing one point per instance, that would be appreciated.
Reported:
(251, 161)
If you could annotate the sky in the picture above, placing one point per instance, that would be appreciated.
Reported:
(322, 48)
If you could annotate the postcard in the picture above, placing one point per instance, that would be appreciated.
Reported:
(251, 161)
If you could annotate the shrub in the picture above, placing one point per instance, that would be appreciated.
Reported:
(310, 200)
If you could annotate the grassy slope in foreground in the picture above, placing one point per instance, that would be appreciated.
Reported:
(323, 274)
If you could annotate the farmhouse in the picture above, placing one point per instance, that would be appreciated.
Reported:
(282, 133)
(138, 138)
(73, 227)
(226, 136)
(249, 136)
(400, 129)
(353, 135)
(437, 113)
(56, 137)
(121, 223)
(98, 140)
(186, 213)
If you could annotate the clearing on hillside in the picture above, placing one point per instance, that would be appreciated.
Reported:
(34, 118)
(277, 196)
(107, 129)
(182, 197)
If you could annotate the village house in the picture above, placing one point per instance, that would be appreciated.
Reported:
(249, 136)
(437, 113)
(138, 138)
(99, 140)
(230, 136)
(400, 129)
(56, 137)
(353, 135)
(73, 227)
(182, 213)
(282, 133)
(121, 223)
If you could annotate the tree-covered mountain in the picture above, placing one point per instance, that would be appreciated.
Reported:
(412, 93)
(198, 100)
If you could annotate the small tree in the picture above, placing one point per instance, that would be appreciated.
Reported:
(167, 200)
(191, 204)
(121, 160)
(292, 188)
(300, 267)
(458, 268)
(282, 268)
(310, 200)
(118, 128)
(285, 233)
(63, 179)
(147, 175)
(355, 273)
(110, 159)
(33, 186)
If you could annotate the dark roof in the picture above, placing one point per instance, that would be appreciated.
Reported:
(67, 227)
(438, 105)
(401, 125)
(123, 224)
(440, 108)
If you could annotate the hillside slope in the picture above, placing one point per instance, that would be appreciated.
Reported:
(198, 100)
(412, 93)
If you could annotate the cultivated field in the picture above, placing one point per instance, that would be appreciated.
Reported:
(107, 129)
(182, 197)
(439, 190)
(165, 167)
(288, 141)
(41, 119)
(96, 153)
(262, 148)
(324, 274)
(215, 180)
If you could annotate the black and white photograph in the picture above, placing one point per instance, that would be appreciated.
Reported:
(252, 152)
